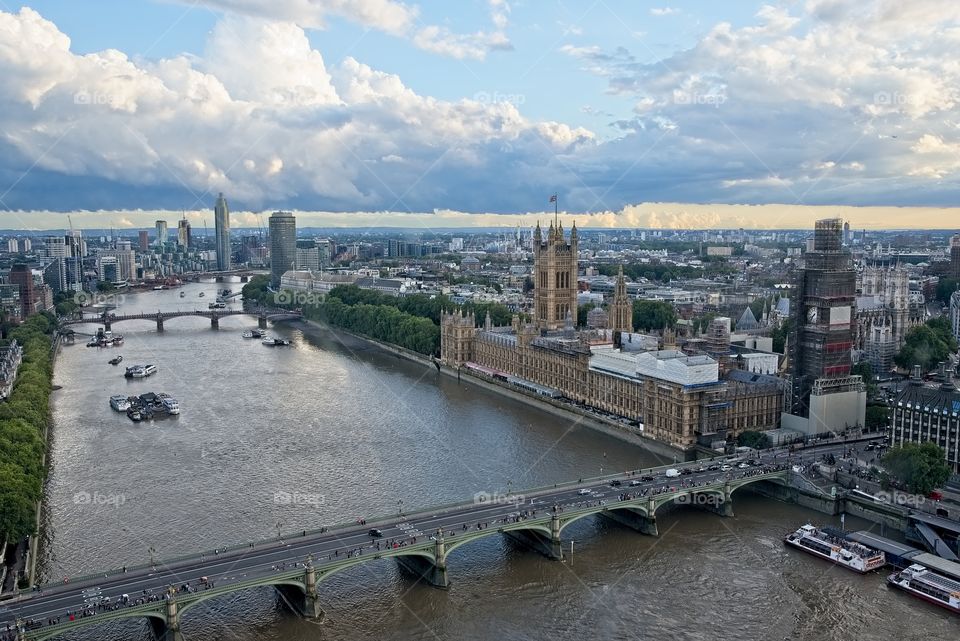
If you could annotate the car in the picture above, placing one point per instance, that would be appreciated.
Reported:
(700, 469)
(725, 468)
(743, 466)
(583, 492)
(686, 471)
(634, 483)
(615, 483)
(647, 478)
(375, 533)
(713, 468)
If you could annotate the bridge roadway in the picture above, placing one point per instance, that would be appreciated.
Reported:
(419, 541)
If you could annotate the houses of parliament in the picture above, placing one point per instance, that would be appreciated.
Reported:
(677, 397)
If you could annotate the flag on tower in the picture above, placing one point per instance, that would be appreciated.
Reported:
(553, 198)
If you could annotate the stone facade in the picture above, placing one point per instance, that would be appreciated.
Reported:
(621, 310)
(555, 277)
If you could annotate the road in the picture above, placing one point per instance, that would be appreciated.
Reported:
(57, 601)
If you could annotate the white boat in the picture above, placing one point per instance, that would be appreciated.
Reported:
(140, 371)
(119, 403)
(169, 403)
(157, 288)
(929, 586)
(274, 342)
(836, 549)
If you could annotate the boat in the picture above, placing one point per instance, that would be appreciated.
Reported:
(182, 294)
(134, 415)
(119, 403)
(118, 340)
(274, 342)
(836, 549)
(157, 288)
(929, 586)
(201, 295)
(93, 342)
(140, 371)
(254, 333)
(217, 305)
(169, 403)
(116, 360)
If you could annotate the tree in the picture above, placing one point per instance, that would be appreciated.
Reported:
(582, 312)
(653, 314)
(920, 467)
(876, 417)
(945, 289)
(927, 345)
(754, 439)
(780, 335)
(865, 370)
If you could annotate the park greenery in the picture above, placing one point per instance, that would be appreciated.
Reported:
(411, 321)
(927, 345)
(919, 467)
(23, 423)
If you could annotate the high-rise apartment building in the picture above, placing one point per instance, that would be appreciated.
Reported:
(161, 233)
(183, 233)
(555, 274)
(144, 240)
(283, 245)
(221, 221)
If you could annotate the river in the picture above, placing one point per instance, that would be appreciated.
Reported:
(355, 433)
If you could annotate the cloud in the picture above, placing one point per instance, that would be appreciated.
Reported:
(389, 16)
(259, 116)
(664, 11)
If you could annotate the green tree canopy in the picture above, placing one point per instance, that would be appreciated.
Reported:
(926, 345)
(653, 314)
(920, 467)
(754, 439)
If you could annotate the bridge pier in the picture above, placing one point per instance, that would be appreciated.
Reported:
(214, 322)
(262, 321)
(106, 325)
(633, 519)
(168, 630)
(433, 572)
(159, 322)
(551, 547)
(304, 601)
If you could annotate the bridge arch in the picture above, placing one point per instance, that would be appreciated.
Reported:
(54, 631)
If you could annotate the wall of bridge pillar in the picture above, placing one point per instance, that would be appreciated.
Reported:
(633, 519)
(549, 546)
(169, 629)
(426, 570)
(262, 322)
(159, 323)
(214, 322)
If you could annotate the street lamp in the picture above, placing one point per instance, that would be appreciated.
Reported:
(279, 525)
(400, 507)
(152, 550)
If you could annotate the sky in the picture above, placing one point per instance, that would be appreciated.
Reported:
(377, 112)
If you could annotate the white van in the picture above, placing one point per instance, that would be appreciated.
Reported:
(672, 472)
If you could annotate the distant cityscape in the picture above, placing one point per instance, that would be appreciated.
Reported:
(689, 338)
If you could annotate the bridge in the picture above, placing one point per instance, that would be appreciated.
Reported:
(108, 319)
(421, 542)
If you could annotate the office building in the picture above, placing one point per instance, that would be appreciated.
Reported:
(929, 412)
(22, 276)
(144, 240)
(221, 221)
(283, 245)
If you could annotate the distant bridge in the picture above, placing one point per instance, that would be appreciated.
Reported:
(263, 315)
(420, 542)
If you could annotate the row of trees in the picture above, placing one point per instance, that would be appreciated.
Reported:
(381, 322)
(23, 421)
(926, 345)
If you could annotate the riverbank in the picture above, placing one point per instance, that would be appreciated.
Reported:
(575, 415)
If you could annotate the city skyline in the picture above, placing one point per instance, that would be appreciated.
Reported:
(401, 108)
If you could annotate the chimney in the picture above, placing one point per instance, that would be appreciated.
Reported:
(916, 373)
